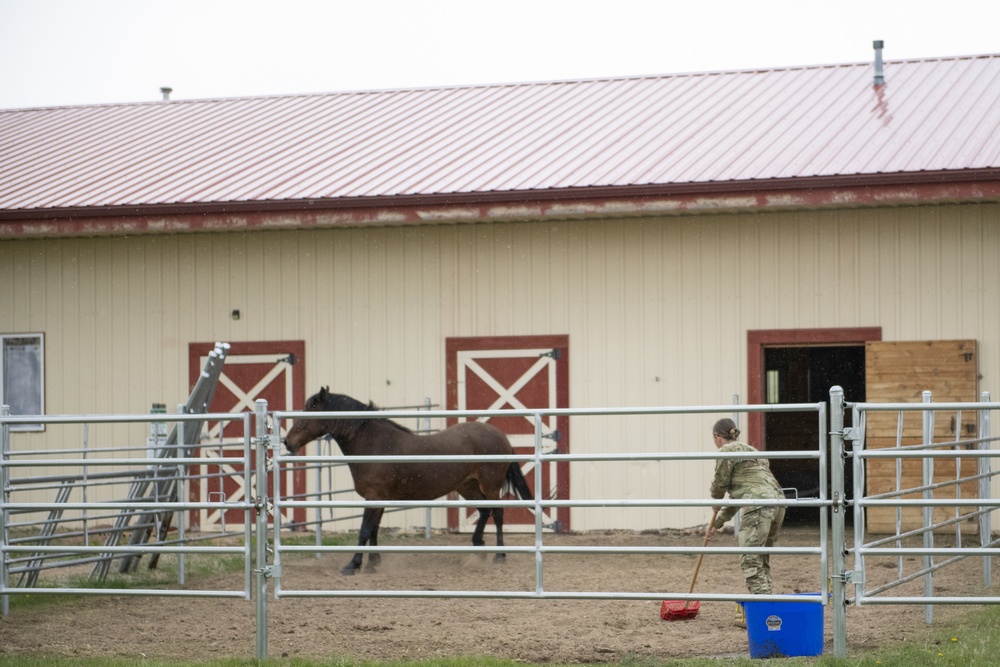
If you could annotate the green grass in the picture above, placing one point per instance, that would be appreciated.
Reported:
(971, 641)
(164, 576)
(327, 539)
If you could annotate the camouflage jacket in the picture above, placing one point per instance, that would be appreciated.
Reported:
(742, 478)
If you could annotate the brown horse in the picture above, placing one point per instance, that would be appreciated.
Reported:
(426, 480)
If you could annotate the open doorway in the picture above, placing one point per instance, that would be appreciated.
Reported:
(800, 366)
(805, 375)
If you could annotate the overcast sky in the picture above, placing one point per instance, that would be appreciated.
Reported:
(58, 52)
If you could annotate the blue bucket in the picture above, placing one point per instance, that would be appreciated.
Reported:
(776, 629)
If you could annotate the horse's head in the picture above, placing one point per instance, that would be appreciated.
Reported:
(304, 431)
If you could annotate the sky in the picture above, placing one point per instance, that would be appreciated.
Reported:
(70, 52)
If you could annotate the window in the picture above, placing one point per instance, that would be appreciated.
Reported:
(22, 377)
(774, 386)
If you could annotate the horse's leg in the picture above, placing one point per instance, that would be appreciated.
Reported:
(477, 535)
(363, 536)
(469, 489)
(498, 522)
(355, 563)
(376, 520)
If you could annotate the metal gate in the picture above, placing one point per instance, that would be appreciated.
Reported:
(949, 468)
(841, 561)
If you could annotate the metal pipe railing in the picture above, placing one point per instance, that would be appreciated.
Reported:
(262, 456)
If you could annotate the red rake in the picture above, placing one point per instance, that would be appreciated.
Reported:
(679, 610)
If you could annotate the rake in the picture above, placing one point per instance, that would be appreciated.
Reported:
(678, 610)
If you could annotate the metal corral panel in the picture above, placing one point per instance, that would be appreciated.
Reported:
(656, 312)
(931, 115)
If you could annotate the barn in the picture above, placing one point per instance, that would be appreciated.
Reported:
(691, 239)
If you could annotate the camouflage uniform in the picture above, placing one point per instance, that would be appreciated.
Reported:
(759, 526)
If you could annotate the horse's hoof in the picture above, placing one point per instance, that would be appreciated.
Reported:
(500, 558)
(349, 571)
(371, 569)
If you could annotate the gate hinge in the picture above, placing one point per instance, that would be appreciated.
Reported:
(261, 504)
(852, 433)
(269, 571)
(850, 577)
(840, 501)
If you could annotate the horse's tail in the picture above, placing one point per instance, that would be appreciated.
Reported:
(517, 482)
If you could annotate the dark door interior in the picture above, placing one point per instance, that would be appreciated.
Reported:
(805, 374)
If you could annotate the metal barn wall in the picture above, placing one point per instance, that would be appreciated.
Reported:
(656, 311)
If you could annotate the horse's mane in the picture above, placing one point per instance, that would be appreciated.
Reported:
(373, 407)
(344, 403)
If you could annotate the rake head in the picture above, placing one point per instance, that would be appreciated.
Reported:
(679, 610)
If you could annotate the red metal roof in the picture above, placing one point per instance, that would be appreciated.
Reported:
(724, 128)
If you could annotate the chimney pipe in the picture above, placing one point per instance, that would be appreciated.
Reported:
(166, 90)
(879, 77)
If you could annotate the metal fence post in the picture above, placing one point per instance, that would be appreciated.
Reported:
(858, 486)
(184, 494)
(838, 546)
(928, 510)
(324, 446)
(985, 520)
(4, 518)
(824, 495)
(261, 441)
(539, 567)
(427, 429)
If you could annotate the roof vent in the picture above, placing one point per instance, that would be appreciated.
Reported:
(879, 77)
(166, 90)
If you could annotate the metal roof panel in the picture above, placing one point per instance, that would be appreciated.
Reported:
(718, 127)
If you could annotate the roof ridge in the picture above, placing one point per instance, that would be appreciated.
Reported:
(509, 84)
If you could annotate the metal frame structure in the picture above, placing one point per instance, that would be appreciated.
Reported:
(129, 467)
(927, 452)
(851, 443)
(262, 453)
(540, 549)
(143, 488)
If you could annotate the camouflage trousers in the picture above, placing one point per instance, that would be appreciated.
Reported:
(759, 527)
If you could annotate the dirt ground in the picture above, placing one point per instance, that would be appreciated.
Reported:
(557, 631)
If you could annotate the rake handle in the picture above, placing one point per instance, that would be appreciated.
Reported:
(697, 566)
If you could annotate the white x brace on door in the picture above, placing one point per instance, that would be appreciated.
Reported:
(267, 370)
(522, 373)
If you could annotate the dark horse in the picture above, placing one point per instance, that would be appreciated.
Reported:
(426, 480)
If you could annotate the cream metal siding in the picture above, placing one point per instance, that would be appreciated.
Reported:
(656, 310)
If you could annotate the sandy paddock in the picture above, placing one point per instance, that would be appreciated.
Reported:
(560, 631)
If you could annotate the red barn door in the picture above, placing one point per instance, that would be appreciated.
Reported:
(271, 370)
(516, 372)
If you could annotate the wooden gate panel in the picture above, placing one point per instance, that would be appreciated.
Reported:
(899, 372)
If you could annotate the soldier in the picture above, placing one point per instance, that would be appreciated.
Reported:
(759, 526)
